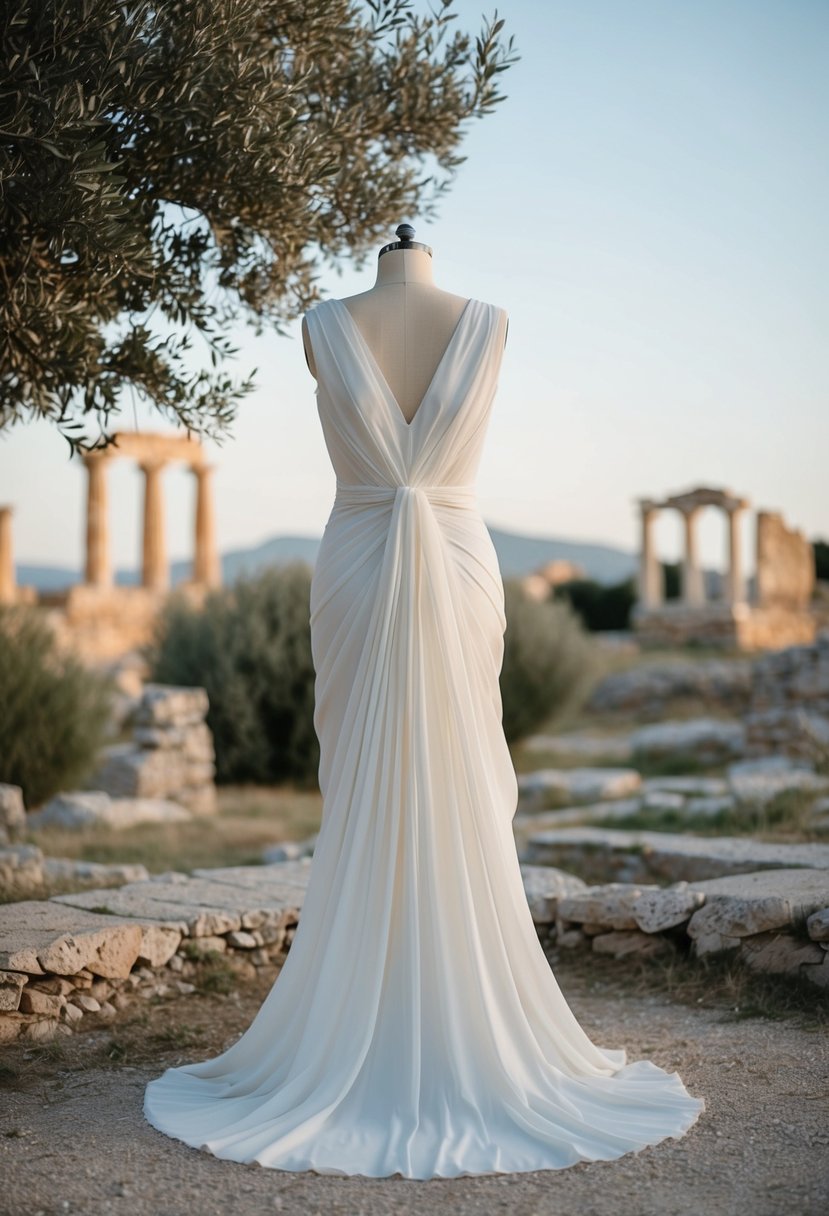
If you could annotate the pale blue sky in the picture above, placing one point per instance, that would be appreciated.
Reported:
(649, 205)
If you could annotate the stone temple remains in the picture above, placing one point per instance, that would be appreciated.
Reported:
(97, 618)
(778, 612)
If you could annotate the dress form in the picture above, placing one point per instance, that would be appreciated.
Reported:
(405, 319)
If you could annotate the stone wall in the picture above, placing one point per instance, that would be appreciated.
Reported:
(776, 922)
(789, 705)
(171, 756)
(85, 957)
(81, 959)
(785, 564)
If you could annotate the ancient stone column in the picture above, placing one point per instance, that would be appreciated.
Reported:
(206, 565)
(650, 569)
(8, 589)
(154, 572)
(735, 584)
(98, 564)
(693, 587)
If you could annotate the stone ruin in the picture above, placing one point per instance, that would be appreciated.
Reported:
(777, 614)
(541, 584)
(171, 755)
(97, 618)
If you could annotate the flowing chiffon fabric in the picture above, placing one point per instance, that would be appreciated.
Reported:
(416, 1026)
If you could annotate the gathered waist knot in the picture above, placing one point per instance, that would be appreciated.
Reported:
(438, 495)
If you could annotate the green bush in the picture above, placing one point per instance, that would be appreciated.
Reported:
(250, 648)
(599, 606)
(549, 661)
(54, 712)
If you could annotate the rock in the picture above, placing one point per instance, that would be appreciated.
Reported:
(196, 740)
(818, 974)
(706, 739)
(12, 812)
(32, 1001)
(11, 1025)
(652, 687)
(745, 904)
(662, 800)
(76, 809)
(709, 806)
(170, 762)
(544, 887)
(210, 902)
(578, 784)
(817, 925)
(758, 781)
(55, 985)
(621, 943)
(44, 936)
(41, 1032)
(710, 942)
(11, 986)
(571, 939)
(289, 850)
(611, 906)
(539, 821)
(170, 705)
(779, 953)
(202, 946)
(690, 786)
(158, 945)
(657, 910)
(664, 856)
(581, 743)
(72, 1014)
(107, 1010)
(241, 940)
(86, 1002)
(21, 870)
(82, 808)
(62, 869)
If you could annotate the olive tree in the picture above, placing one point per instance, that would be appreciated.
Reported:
(168, 168)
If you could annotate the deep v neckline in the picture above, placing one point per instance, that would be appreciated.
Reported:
(392, 399)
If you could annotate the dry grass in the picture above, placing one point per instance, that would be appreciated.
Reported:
(249, 819)
(786, 818)
(719, 983)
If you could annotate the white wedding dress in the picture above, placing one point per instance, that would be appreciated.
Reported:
(416, 1025)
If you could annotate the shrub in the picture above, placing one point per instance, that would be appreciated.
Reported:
(250, 648)
(54, 712)
(548, 661)
(599, 606)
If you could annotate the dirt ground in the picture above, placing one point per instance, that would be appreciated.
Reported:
(73, 1138)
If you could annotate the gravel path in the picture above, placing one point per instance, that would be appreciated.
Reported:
(73, 1138)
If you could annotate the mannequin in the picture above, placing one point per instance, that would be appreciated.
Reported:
(406, 321)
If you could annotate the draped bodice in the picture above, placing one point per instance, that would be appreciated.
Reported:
(368, 438)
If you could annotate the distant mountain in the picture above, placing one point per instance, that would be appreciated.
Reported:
(517, 555)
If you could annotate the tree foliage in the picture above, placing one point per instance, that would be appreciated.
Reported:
(167, 168)
(600, 606)
(250, 648)
(56, 712)
(549, 661)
